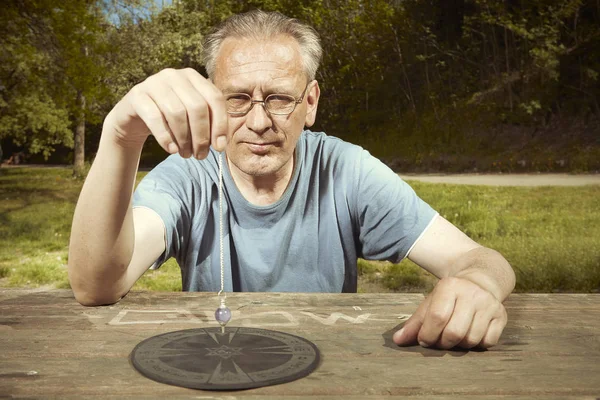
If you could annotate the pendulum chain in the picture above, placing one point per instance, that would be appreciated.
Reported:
(223, 314)
(221, 292)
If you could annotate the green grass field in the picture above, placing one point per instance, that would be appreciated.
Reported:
(550, 235)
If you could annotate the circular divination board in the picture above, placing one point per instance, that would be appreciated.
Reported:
(241, 358)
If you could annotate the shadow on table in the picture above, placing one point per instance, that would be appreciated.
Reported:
(425, 352)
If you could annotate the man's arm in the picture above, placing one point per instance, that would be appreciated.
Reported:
(112, 244)
(465, 308)
(445, 251)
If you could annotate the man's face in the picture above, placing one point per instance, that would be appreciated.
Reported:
(261, 144)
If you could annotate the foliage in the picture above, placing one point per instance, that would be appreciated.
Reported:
(142, 47)
(28, 111)
(402, 78)
(49, 55)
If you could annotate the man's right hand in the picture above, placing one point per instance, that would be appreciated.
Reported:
(112, 244)
(185, 112)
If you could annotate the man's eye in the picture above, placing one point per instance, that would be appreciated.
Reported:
(280, 101)
(280, 97)
(237, 98)
(235, 102)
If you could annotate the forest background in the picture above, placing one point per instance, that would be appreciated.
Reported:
(453, 85)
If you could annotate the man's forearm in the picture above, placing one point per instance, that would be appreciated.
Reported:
(488, 269)
(102, 235)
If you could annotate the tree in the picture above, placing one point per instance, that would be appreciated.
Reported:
(403, 76)
(51, 77)
(79, 29)
(30, 113)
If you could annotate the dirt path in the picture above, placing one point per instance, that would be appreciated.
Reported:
(531, 179)
(508, 179)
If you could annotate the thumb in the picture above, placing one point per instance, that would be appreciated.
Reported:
(221, 143)
(219, 126)
(409, 332)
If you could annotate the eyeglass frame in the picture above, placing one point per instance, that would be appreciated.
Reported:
(263, 102)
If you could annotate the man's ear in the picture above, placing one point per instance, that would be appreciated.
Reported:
(312, 101)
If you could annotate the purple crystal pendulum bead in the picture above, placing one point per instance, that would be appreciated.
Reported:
(223, 315)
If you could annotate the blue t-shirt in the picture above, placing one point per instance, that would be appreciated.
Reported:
(341, 204)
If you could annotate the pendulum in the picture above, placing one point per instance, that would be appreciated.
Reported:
(222, 314)
(179, 358)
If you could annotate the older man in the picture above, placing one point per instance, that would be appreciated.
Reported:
(299, 207)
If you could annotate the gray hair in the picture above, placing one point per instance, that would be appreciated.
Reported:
(257, 24)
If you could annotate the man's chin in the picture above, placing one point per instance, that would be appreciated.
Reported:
(260, 172)
(258, 165)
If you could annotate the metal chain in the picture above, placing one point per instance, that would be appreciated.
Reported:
(222, 291)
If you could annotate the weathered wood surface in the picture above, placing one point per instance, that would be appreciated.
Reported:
(51, 347)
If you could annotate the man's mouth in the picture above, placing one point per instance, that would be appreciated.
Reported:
(259, 147)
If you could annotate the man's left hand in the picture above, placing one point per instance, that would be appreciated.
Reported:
(459, 313)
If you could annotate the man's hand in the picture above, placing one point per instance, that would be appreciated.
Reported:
(111, 244)
(185, 112)
(457, 313)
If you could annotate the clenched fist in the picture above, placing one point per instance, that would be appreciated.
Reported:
(457, 313)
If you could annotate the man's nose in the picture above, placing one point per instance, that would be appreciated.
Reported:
(257, 119)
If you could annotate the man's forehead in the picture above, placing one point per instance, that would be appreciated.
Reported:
(283, 85)
(245, 56)
(281, 48)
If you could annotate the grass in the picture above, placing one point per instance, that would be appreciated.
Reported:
(551, 235)
(36, 208)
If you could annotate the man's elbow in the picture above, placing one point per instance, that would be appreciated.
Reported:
(91, 294)
(90, 299)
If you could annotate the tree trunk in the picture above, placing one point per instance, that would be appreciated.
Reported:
(79, 150)
(506, 55)
(400, 54)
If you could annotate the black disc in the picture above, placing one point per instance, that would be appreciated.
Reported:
(241, 358)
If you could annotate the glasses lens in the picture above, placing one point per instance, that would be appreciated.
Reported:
(280, 104)
(238, 103)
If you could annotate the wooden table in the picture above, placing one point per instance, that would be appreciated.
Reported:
(52, 347)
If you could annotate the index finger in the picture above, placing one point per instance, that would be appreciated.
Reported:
(437, 316)
(216, 105)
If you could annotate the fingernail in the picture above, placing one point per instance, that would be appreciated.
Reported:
(221, 142)
(423, 344)
(173, 148)
(399, 334)
(201, 155)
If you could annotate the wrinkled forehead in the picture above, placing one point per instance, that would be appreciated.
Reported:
(259, 58)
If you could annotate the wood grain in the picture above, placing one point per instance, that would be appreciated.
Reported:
(52, 347)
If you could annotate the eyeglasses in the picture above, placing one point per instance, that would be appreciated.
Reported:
(240, 104)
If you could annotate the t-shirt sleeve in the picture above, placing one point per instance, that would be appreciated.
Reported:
(166, 191)
(391, 216)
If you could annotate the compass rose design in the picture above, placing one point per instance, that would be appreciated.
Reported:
(224, 351)
(240, 358)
